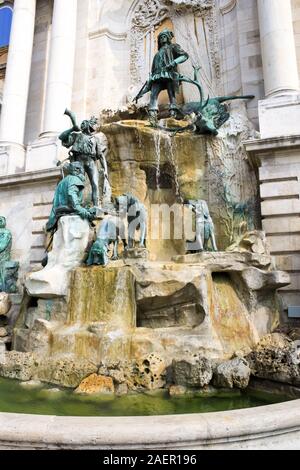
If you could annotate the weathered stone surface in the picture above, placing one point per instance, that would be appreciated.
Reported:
(256, 279)
(277, 358)
(69, 246)
(169, 309)
(253, 242)
(150, 372)
(47, 309)
(66, 372)
(3, 332)
(96, 385)
(5, 303)
(230, 374)
(121, 390)
(195, 372)
(227, 261)
(20, 366)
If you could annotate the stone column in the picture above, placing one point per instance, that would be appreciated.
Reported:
(279, 113)
(278, 47)
(61, 66)
(15, 93)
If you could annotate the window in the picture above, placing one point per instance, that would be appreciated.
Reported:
(5, 25)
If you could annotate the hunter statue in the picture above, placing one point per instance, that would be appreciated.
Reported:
(68, 197)
(87, 148)
(164, 75)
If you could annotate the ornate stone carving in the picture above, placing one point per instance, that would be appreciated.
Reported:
(149, 14)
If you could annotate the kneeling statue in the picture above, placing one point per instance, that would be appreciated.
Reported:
(68, 197)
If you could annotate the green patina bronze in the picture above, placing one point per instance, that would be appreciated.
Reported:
(164, 74)
(68, 197)
(8, 268)
(207, 116)
(205, 231)
(87, 149)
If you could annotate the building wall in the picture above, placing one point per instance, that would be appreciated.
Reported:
(242, 72)
(296, 20)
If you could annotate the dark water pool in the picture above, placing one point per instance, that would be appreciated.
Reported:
(16, 399)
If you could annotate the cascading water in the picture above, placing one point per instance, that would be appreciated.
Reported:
(170, 144)
(157, 143)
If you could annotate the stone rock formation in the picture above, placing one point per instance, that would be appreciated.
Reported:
(96, 385)
(194, 372)
(69, 246)
(234, 373)
(276, 357)
(5, 303)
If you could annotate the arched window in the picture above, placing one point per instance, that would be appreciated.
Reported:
(5, 25)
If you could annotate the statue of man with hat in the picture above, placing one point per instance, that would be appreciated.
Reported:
(164, 74)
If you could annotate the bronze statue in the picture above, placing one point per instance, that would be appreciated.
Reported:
(205, 231)
(129, 205)
(112, 228)
(87, 149)
(68, 197)
(8, 269)
(164, 75)
(209, 115)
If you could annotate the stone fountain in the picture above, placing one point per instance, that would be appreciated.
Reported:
(159, 315)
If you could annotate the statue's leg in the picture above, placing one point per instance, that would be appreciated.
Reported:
(153, 105)
(93, 175)
(143, 226)
(155, 91)
(143, 234)
(199, 235)
(213, 241)
(131, 231)
(115, 249)
(172, 98)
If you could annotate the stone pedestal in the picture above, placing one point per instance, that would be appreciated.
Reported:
(69, 246)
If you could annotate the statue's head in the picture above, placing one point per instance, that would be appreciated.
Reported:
(165, 37)
(89, 126)
(124, 202)
(2, 222)
(76, 168)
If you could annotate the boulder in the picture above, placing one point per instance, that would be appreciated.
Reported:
(234, 373)
(96, 385)
(150, 372)
(19, 366)
(5, 304)
(3, 332)
(65, 372)
(277, 358)
(69, 245)
(194, 372)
